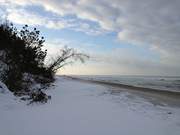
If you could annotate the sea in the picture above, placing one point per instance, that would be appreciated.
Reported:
(168, 83)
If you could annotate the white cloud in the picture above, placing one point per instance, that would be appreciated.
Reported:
(16, 12)
(21, 16)
(155, 23)
(117, 61)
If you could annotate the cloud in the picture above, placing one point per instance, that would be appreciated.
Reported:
(124, 65)
(126, 61)
(23, 17)
(16, 12)
(117, 61)
(154, 23)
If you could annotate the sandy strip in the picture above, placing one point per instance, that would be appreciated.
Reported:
(156, 96)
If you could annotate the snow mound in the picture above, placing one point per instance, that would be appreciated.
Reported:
(4, 89)
(7, 99)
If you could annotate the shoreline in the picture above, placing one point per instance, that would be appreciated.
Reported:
(155, 96)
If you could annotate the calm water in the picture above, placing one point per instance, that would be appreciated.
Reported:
(157, 82)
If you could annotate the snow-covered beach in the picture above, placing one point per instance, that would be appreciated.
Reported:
(155, 94)
(82, 108)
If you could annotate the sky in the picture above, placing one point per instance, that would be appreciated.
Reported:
(122, 37)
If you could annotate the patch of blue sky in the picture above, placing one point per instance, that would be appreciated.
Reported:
(99, 43)
(38, 10)
(104, 42)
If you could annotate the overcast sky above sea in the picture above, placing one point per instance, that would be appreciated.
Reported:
(123, 37)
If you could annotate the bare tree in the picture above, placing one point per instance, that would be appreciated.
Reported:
(66, 56)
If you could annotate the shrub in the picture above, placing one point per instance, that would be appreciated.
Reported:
(22, 61)
(21, 53)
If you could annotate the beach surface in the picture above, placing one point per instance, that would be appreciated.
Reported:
(84, 108)
(156, 96)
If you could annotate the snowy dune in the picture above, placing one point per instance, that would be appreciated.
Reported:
(79, 108)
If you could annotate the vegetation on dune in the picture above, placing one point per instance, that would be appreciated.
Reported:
(22, 61)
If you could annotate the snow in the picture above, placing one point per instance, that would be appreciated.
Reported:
(79, 108)
(3, 88)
